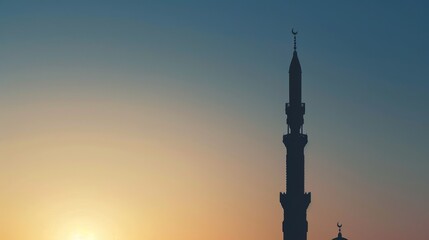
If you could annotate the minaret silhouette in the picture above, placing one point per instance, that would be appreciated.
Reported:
(295, 200)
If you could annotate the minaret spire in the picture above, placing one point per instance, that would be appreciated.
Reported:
(295, 200)
(295, 119)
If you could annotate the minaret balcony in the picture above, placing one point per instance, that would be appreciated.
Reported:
(295, 140)
(292, 200)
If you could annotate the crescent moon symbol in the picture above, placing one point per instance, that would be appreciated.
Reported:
(339, 225)
(293, 32)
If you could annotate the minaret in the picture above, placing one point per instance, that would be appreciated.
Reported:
(295, 200)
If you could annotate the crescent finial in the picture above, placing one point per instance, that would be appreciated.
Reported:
(294, 33)
(339, 225)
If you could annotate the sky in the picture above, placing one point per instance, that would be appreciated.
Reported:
(126, 120)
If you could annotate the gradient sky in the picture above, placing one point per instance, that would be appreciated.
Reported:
(163, 119)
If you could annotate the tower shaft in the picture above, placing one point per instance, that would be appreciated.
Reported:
(295, 200)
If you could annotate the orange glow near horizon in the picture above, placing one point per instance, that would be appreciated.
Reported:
(113, 174)
(96, 176)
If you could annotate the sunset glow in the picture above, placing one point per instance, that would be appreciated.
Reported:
(80, 236)
(163, 120)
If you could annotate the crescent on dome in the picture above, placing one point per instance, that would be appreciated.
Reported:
(339, 225)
